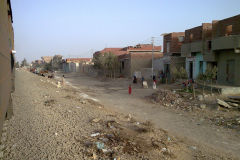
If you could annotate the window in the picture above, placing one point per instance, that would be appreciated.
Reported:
(191, 36)
(180, 38)
(209, 43)
(228, 30)
(168, 47)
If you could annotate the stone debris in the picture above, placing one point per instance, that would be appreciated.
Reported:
(223, 103)
(168, 98)
(228, 122)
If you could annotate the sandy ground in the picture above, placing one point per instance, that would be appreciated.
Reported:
(114, 95)
(67, 123)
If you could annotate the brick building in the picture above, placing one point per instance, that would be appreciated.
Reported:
(172, 43)
(196, 48)
(226, 49)
(76, 64)
(137, 58)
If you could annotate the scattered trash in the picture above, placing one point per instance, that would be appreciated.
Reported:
(49, 102)
(56, 134)
(169, 99)
(129, 117)
(95, 134)
(202, 106)
(164, 149)
(58, 84)
(193, 147)
(200, 97)
(94, 156)
(96, 120)
(169, 139)
(57, 91)
(100, 145)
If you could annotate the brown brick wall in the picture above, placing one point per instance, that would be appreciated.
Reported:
(220, 27)
(193, 34)
(175, 45)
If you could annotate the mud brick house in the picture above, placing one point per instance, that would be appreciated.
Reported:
(76, 64)
(197, 49)
(46, 59)
(226, 49)
(7, 60)
(172, 43)
(137, 58)
(115, 51)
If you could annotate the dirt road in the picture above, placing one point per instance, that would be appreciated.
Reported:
(64, 123)
(114, 95)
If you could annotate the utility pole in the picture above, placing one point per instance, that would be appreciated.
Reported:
(152, 54)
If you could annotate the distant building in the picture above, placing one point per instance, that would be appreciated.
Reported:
(46, 59)
(76, 64)
(138, 58)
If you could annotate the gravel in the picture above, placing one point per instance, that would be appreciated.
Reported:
(57, 123)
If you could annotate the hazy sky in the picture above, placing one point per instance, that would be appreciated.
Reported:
(80, 27)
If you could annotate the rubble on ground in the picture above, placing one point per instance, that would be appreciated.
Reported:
(117, 138)
(169, 98)
(228, 122)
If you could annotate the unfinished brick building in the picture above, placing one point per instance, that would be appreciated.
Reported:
(196, 49)
(226, 49)
(172, 43)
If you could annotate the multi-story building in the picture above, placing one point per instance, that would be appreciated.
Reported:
(172, 43)
(226, 50)
(197, 49)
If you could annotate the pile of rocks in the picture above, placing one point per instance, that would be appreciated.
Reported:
(229, 122)
(118, 138)
(169, 98)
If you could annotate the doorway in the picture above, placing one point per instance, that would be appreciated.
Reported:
(191, 70)
(230, 71)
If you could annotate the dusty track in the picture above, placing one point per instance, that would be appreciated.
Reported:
(51, 123)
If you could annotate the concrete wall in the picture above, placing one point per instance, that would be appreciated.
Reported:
(175, 44)
(226, 42)
(222, 58)
(6, 46)
(142, 60)
(196, 65)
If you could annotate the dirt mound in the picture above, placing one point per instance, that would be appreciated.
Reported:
(169, 98)
(118, 138)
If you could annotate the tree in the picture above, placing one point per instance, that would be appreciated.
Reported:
(108, 62)
(56, 62)
(183, 73)
(174, 73)
(17, 64)
(211, 74)
(24, 63)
